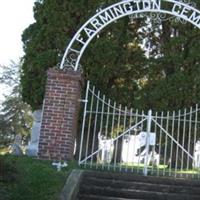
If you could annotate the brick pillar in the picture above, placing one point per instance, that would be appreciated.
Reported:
(60, 115)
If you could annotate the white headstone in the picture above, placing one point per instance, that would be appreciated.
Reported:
(196, 163)
(143, 138)
(107, 148)
(132, 143)
(32, 149)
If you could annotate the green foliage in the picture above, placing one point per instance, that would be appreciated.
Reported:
(4, 136)
(27, 178)
(114, 61)
(172, 81)
(16, 116)
(45, 42)
(168, 78)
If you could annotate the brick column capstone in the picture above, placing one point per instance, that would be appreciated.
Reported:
(60, 115)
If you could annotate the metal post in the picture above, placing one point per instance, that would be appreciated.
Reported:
(89, 123)
(149, 119)
(95, 126)
(84, 117)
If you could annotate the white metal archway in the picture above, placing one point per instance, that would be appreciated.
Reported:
(95, 24)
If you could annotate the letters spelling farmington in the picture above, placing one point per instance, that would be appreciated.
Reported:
(125, 8)
(113, 13)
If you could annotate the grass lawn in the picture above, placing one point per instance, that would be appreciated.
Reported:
(25, 178)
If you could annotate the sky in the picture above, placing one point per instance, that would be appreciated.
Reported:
(15, 16)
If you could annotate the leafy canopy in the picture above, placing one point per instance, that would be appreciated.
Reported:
(139, 63)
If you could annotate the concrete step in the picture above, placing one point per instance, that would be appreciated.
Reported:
(133, 194)
(96, 185)
(137, 178)
(193, 190)
(96, 197)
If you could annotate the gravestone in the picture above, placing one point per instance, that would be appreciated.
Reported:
(132, 144)
(106, 147)
(196, 163)
(32, 149)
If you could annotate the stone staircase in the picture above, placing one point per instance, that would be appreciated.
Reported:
(114, 186)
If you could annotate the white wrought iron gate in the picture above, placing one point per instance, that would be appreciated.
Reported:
(120, 139)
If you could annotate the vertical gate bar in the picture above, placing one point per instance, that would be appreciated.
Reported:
(102, 114)
(183, 139)
(136, 121)
(112, 127)
(196, 120)
(106, 125)
(103, 126)
(124, 128)
(172, 143)
(143, 116)
(154, 147)
(166, 143)
(107, 118)
(160, 141)
(149, 120)
(84, 118)
(101, 121)
(130, 121)
(195, 132)
(177, 147)
(95, 126)
(142, 126)
(189, 137)
(89, 124)
(118, 130)
(113, 118)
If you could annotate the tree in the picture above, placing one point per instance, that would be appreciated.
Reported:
(16, 116)
(5, 138)
(172, 81)
(56, 23)
(44, 44)
(168, 78)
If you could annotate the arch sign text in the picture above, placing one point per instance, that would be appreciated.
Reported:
(116, 11)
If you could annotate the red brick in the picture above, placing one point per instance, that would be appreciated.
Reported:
(60, 117)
